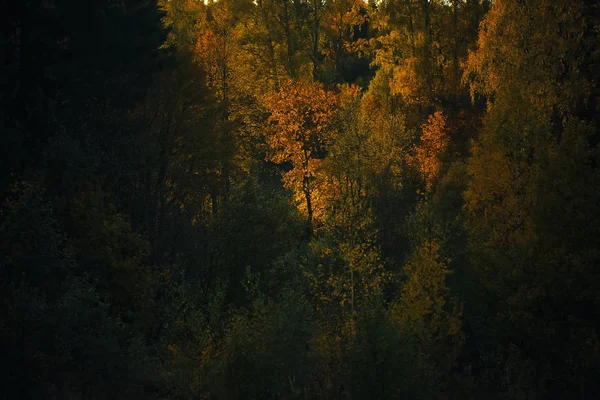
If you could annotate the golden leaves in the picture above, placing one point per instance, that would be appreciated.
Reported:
(406, 81)
(526, 49)
(433, 143)
(300, 132)
(423, 307)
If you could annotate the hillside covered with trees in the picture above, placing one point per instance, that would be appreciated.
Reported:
(300, 199)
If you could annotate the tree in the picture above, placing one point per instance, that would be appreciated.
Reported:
(345, 24)
(59, 335)
(529, 64)
(423, 45)
(433, 143)
(301, 119)
(428, 311)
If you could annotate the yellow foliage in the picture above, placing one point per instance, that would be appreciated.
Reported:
(425, 308)
(525, 49)
(406, 81)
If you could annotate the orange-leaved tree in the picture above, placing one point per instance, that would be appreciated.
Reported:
(434, 141)
(301, 122)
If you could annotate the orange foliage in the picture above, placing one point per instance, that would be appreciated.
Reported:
(434, 140)
(407, 82)
(212, 54)
(301, 116)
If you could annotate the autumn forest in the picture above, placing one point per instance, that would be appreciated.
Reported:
(300, 199)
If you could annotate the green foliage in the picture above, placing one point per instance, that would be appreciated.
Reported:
(258, 228)
(267, 350)
(383, 361)
(58, 335)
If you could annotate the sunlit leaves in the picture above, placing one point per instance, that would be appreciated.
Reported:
(433, 143)
(520, 52)
(301, 130)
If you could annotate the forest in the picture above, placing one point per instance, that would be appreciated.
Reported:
(300, 199)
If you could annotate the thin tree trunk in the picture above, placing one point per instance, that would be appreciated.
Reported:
(316, 37)
(291, 64)
(309, 207)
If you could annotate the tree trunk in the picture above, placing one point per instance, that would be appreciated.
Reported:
(309, 208)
